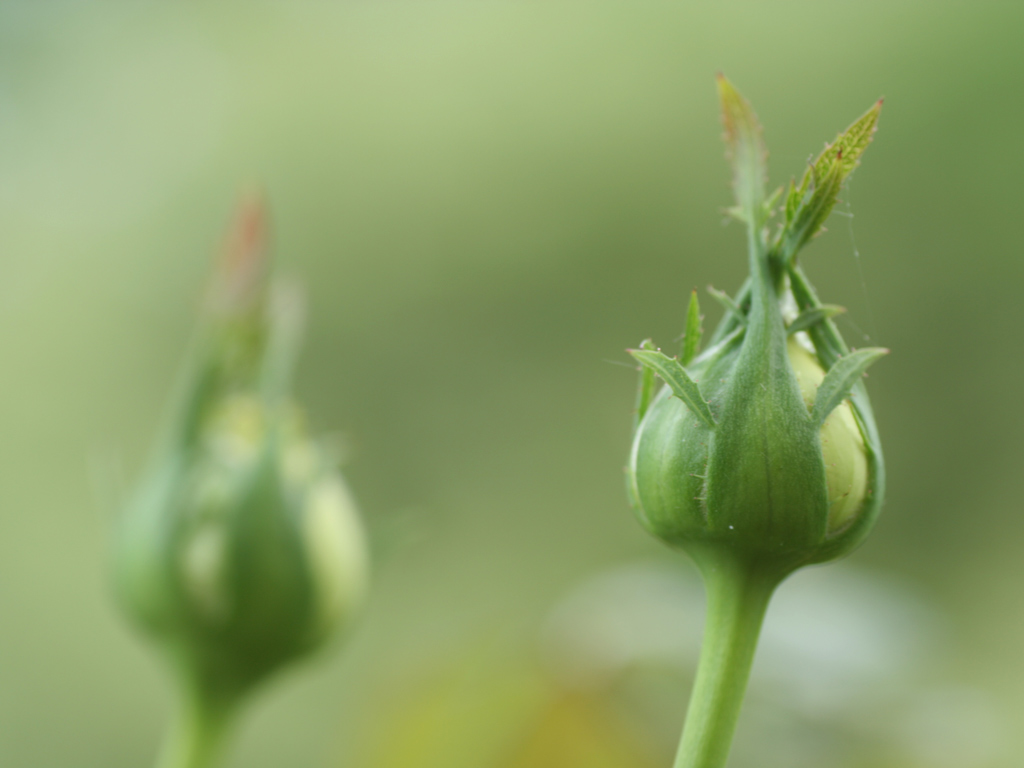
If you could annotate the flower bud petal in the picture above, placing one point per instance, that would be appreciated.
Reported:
(842, 445)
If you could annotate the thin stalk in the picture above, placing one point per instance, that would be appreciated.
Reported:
(738, 596)
(197, 734)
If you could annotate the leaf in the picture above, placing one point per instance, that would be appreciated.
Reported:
(285, 320)
(693, 332)
(726, 301)
(735, 212)
(840, 380)
(773, 198)
(827, 340)
(810, 317)
(810, 203)
(731, 321)
(848, 146)
(645, 392)
(745, 150)
(810, 215)
(678, 380)
(792, 201)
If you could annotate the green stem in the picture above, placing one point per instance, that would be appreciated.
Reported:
(196, 737)
(738, 596)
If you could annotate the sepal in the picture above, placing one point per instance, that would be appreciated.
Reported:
(841, 378)
(813, 316)
(809, 204)
(746, 152)
(692, 334)
(679, 381)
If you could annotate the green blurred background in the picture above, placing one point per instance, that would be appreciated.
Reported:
(489, 203)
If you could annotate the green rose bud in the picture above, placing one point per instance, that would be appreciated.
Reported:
(765, 443)
(765, 476)
(760, 454)
(242, 550)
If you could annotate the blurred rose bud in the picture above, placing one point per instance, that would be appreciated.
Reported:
(242, 550)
